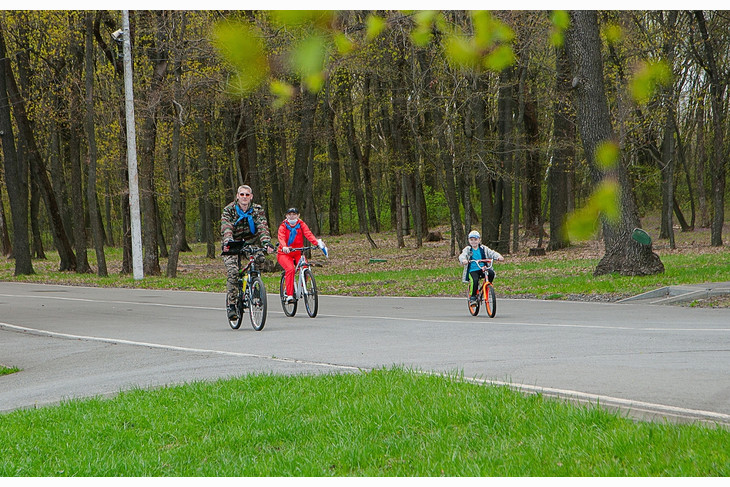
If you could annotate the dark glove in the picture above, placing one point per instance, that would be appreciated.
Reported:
(225, 245)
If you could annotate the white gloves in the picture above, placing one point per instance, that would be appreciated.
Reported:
(323, 247)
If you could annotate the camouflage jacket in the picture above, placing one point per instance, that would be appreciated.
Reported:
(241, 230)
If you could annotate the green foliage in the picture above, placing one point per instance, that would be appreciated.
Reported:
(241, 45)
(607, 155)
(307, 58)
(613, 33)
(583, 223)
(374, 25)
(648, 79)
(422, 34)
(560, 22)
(488, 48)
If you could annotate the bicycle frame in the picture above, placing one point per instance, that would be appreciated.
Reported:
(248, 278)
(305, 287)
(302, 264)
(485, 291)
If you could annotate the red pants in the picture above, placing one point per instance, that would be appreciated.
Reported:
(289, 263)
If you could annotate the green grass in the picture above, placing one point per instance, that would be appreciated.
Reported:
(545, 279)
(8, 370)
(412, 275)
(380, 423)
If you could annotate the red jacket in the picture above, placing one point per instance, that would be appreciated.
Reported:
(300, 233)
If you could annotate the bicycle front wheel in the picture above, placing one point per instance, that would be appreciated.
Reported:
(311, 300)
(257, 304)
(236, 324)
(290, 309)
(490, 300)
(473, 306)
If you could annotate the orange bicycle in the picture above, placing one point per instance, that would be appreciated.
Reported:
(485, 292)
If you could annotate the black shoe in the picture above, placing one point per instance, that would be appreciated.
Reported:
(473, 300)
(232, 313)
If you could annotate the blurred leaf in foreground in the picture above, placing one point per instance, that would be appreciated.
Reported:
(242, 47)
(648, 78)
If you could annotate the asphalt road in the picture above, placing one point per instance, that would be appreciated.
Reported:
(648, 360)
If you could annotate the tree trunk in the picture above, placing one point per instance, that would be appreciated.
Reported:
(16, 171)
(583, 45)
(26, 137)
(701, 158)
(354, 157)
(563, 153)
(485, 182)
(506, 153)
(204, 203)
(77, 201)
(35, 203)
(58, 180)
(445, 164)
(300, 184)
(333, 154)
(5, 247)
(367, 176)
(96, 228)
(176, 207)
(717, 88)
(533, 169)
(158, 56)
(669, 151)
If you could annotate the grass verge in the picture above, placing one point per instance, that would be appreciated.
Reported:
(404, 273)
(382, 423)
(8, 370)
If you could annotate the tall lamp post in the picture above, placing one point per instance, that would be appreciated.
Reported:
(134, 211)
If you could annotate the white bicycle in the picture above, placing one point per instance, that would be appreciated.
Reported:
(304, 287)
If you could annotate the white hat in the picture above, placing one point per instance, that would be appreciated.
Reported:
(474, 234)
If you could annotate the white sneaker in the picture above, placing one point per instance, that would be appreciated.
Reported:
(290, 299)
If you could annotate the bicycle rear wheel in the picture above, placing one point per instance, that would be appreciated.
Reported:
(257, 305)
(311, 300)
(290, 309)
(490, 299)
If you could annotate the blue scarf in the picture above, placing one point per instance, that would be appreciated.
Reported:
(292, 232)
(246, 214)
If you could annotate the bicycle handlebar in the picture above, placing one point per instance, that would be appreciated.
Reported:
(239, 247)
(294, 249)
(487, 261)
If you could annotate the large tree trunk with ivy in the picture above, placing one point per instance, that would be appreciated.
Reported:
(623, 254)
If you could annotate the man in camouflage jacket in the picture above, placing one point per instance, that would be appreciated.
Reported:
(242, 219)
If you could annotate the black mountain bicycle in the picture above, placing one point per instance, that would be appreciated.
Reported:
(251, 292)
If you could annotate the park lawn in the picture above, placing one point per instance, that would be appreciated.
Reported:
(389, 422)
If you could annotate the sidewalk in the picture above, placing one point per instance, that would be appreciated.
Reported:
(680, 294)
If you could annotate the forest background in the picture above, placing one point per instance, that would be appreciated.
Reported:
(511, 122)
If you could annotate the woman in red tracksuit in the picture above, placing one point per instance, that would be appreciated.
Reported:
(292, 233)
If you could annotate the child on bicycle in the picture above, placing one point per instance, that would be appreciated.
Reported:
(473, 270)
(292, 233)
